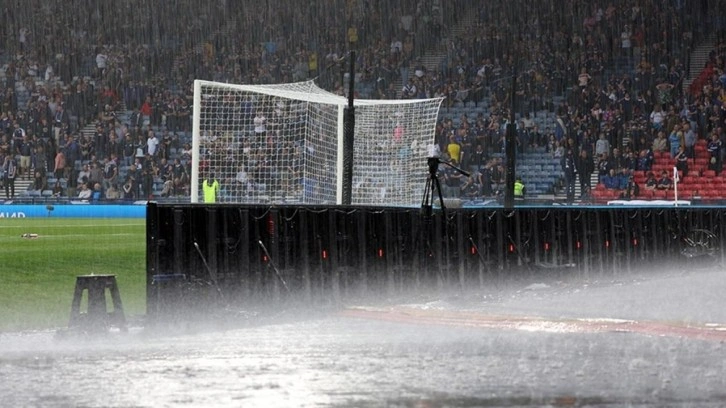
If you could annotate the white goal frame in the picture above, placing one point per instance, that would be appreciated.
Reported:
(309, 92)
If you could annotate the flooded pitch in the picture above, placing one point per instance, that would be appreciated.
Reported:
(646, 341)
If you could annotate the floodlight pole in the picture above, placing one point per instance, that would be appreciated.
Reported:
(348, 135)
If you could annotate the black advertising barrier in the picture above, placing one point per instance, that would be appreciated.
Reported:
(222, 254)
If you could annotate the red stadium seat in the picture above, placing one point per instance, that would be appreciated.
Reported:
(713, 193)
(657, 168)
(685, 191)
(600, 195)
(709, 173)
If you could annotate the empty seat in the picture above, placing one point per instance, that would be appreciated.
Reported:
(712, 193)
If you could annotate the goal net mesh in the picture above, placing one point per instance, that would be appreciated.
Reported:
(283, 143)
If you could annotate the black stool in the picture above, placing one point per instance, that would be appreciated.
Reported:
(97, 317)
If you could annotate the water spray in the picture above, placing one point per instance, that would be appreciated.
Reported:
(272, 264)
(212, 274)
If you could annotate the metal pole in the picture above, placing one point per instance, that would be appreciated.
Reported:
(348, 136)
(510, 146)
(675, 186)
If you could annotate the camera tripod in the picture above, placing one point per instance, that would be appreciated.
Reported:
(432, 259)
(433, 186)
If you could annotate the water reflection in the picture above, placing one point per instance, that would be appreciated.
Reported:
(340, 361)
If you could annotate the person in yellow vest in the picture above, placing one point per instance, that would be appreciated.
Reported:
(210, 188)
(519, 189)
(313, 64)
(454, 149)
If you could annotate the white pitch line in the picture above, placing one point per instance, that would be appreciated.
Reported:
(40, 236)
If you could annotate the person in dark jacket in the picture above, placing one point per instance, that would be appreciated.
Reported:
(569, 170)
(585, 166)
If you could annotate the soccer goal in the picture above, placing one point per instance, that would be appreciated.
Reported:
(283, 143)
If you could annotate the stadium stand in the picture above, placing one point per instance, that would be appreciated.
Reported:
(595, 68)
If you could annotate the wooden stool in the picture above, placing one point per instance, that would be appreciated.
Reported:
(97, 318)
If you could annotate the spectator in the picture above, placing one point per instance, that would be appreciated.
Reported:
(664, 182)
(84, 194)
(660, 144)
(97, 193)
(453, 148)
(611, 181)
(604, 166)
(645, 159)
(114, 148)
(632, 189)
(25, 150)
(113, 193)
(84, 175)
(682, 160)
(585, 167)
(657, 117)
(9, 172)
(151, 143)
(452, 182)
(675, 141)
(40, 181)
(651, 183)
(569, 170)
(128, 150)
(129, 191)
(714, 149)
(690, 138)
(58, 190)
(471, 187)
(110, 172)
(60, 164)
(602, 146)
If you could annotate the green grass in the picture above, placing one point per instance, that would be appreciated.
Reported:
(37, 276)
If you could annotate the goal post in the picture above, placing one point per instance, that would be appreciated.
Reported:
(283, 143)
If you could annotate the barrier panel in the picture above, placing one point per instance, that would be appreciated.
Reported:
(255, 253)
(81, 210)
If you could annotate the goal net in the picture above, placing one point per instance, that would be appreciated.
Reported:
(283, 143)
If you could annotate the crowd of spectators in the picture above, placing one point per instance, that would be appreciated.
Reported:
(616, 68)
(617, 80)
